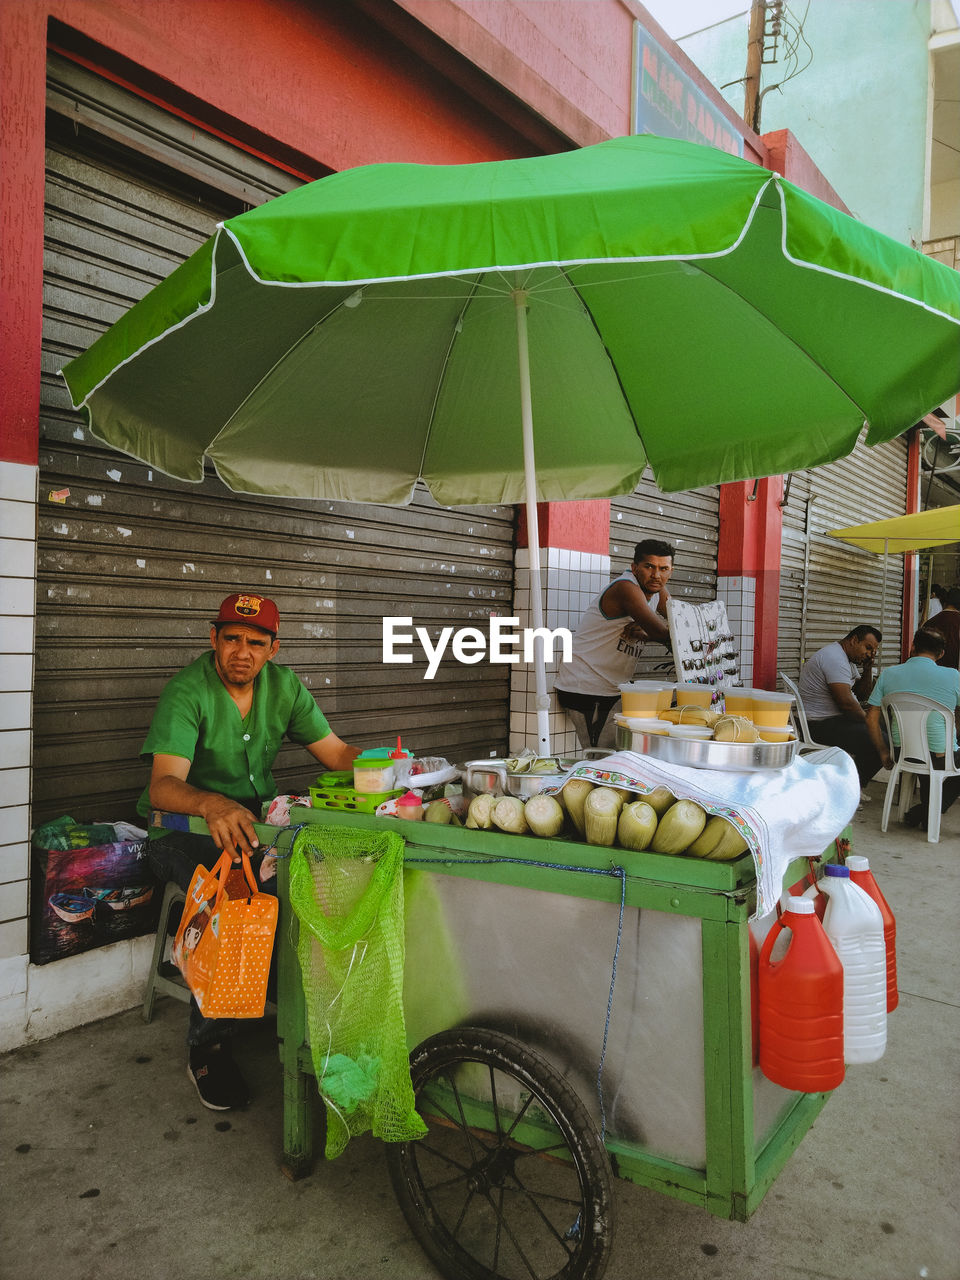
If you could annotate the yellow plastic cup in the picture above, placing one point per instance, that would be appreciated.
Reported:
(738, 702)
(771, 710)
(643, 724)
(776, 735)
(697, 695)
(639, 698)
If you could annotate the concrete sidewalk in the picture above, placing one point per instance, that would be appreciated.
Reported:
(112, 1169)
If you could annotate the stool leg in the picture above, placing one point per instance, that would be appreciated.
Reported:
(173, 897)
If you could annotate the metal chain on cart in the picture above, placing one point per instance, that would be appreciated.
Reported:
(295, 831)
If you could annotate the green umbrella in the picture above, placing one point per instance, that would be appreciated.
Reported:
(523, 330)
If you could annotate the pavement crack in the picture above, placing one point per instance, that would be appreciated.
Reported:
(949, 1004)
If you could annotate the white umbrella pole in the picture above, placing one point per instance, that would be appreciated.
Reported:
(533, 527)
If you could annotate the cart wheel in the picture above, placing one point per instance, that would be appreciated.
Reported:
(511, 1181)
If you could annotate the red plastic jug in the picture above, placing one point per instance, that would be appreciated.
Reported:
(801, 1004)
(861, 874)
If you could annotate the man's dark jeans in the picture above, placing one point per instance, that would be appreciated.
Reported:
(175, 856)
(851, 736)
(590, 715)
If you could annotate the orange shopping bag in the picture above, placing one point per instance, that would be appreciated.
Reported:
(225, 940)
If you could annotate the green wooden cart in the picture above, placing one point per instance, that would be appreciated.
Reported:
(529, 963)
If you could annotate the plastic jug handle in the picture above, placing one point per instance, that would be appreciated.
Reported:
(770, 939)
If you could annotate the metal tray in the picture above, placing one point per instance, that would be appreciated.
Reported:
(700, 753)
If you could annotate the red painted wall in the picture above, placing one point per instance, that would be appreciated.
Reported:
(788, 158)
(318, 86)
(321, 76)
(570, 59)
(576, 526)
(22, 71)
(751, 521)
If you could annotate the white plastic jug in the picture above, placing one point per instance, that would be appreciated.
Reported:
(854, 925)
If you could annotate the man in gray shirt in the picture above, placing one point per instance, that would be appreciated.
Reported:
(832, 689)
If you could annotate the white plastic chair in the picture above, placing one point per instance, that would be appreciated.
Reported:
(910, 712)
(799, 716)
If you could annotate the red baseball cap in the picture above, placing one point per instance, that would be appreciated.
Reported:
(250, 609)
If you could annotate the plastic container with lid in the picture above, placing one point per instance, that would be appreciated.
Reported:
(410, 807)
(853, 923)
(643, 724)
(690, 692)
(699, 732)
(800, 999)
(861, 874)
(641, 697)
(374, 771)
(771, 709)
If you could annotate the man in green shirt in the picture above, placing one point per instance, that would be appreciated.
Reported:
(214, 737)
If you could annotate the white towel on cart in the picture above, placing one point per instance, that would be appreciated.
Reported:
(788, 813)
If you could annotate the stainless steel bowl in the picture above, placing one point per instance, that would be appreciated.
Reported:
(526, 785)
(492, 777)
(485, 776)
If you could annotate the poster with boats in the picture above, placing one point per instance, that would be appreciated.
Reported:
(86, 898)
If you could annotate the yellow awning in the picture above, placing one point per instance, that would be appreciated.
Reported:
(935, 528)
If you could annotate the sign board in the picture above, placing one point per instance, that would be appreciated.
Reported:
(668, 103)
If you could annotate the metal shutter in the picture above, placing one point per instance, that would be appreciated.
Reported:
(690, 522)
(132, 563)
(828, 587)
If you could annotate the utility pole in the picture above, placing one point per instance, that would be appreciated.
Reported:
(755, 41)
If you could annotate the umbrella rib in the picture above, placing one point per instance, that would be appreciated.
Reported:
(457, 329)
(788, 337)
(285, 354)
(613, 367)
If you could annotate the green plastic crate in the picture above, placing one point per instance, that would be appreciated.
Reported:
(338, 793)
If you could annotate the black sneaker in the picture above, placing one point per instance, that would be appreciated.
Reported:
(916, 817)
(217, 1078)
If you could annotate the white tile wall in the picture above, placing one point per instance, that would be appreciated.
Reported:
(18, 559)
(739, 596)
(569, 581)
(37, 1001)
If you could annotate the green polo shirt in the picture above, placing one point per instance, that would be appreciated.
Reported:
(921, 675)
(198, 720)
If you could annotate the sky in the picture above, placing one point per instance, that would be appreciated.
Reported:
(680, 17)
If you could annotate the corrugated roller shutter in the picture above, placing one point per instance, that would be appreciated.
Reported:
(132, 564)
(793, 573)
(841, 586)
(690, 522)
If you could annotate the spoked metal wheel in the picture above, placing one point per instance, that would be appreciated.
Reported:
(511, 1181)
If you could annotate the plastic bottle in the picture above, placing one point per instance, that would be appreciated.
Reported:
(801, 1004)
(854, 925)
(410, 806)
(861, 874)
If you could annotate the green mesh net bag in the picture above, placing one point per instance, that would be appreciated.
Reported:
(346, 887)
